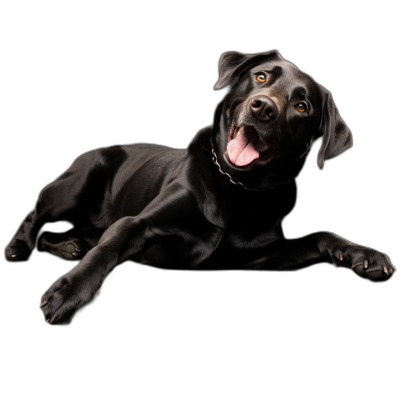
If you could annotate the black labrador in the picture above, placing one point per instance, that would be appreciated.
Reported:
(217, 205)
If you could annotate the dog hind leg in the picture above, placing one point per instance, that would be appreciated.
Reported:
(67, 198)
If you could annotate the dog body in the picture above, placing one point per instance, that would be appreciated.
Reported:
(217, 205)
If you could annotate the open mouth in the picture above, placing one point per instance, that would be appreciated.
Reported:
(245, 148)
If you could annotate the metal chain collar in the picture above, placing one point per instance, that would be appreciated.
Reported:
(215, 160)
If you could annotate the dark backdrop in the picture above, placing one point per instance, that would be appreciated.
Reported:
(76, 86)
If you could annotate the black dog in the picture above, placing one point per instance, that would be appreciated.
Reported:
(217, 205)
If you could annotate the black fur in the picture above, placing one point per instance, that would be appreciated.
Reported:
(173, 208)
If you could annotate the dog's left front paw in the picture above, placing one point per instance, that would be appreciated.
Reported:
(365, 262)
(64, 297)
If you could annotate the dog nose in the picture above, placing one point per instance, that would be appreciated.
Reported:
(263, 108)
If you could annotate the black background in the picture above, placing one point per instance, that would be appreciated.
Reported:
(77, 84)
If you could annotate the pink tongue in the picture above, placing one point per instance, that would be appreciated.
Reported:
(243, 149)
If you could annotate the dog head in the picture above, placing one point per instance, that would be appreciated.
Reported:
(274, 112)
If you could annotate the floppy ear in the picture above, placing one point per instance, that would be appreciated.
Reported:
(233, 63)
(336, 136)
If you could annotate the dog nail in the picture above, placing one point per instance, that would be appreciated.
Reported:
(13, 255)
(53, 319)
(74, 254)
(365, 264)
(44, 303)
(47, 320)
(386, 270)
(341, 256)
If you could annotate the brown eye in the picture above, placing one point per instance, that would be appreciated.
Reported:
(261, 78)
(301, 107)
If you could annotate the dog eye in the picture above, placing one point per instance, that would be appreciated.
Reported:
(261, 78)
(301, 107)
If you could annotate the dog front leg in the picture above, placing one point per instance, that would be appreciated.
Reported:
(325, 247)
(126, 237)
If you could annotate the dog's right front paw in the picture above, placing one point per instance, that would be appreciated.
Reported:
(17, 250)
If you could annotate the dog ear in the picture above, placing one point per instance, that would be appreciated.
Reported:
(232, 64)
(336, 136)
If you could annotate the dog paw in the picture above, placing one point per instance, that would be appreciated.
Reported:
(17, 250)
(72, 249)
(64, 297)
(366, 262)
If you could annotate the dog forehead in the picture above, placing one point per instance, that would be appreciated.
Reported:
(268, 66)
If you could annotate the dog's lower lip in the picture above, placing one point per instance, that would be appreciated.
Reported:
(232, 165)
(268, 155)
